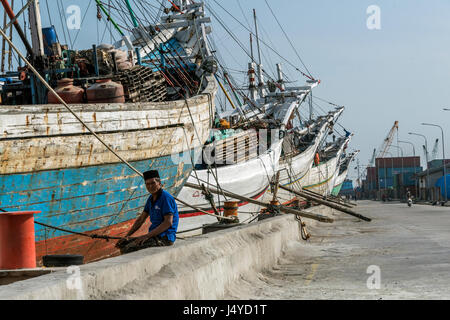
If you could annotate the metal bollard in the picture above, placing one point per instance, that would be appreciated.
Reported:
(17, 242)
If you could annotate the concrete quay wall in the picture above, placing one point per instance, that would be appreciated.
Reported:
(200, 267)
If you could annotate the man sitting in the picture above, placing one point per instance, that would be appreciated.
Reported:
(162, 210)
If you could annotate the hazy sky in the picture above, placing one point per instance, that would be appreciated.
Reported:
(400, 72)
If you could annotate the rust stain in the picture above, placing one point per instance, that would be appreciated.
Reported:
(78, 148)
(27, 121)
(94, 116)
(90, 153)
(46, 118)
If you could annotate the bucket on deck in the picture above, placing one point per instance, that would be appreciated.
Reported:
(17, 242)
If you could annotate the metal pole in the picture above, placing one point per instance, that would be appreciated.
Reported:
(19, 30)
(260, 73)
(426, 159)
(443, 158)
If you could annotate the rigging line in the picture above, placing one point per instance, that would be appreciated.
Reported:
(62, 14)
(187, 76)
(139, 186)
(289, 40)
(30, 66)
(93, 236)
(62, 23)
(245, 17)
(271, 49)
(79, 119)
(48, 12)
(115, 216)
(192, 161)
(107, 27)
(82, 20)
(269, 59)
(234, 37)
(333, 104)
(326, 113)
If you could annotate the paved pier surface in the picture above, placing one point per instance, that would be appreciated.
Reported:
(409, 246)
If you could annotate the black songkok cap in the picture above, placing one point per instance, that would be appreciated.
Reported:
(151, 174)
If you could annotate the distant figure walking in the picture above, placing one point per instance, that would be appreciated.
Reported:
(162, 210)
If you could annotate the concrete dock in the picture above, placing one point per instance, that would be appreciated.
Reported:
(408, 248)
(200, 267)
(402, 254)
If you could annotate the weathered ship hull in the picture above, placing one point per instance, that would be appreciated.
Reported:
(294, 170)
(250, 179)
(343, 171)
(320, 179)
(49, 162)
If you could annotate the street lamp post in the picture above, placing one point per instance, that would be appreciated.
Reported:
(426, 159)
(414, 154)
(443, 157)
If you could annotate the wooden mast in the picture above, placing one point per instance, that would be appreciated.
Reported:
(36, 29)
(260, 73)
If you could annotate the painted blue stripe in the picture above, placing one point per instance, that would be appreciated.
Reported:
(87, 198)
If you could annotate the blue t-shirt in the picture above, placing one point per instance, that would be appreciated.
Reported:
(164, 205)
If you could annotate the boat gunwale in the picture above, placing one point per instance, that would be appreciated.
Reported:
(108, 107)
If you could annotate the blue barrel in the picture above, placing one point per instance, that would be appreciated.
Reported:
(49, 35)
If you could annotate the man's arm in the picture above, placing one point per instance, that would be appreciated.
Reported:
(166, 224)
(135, 227)
(138, 223)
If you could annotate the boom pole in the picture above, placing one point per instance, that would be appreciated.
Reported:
(19, 30)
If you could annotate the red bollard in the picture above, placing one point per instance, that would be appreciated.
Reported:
(17, 242)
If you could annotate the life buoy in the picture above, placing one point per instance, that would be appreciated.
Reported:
(316, 159)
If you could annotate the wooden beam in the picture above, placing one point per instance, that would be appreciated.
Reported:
(326, 203)
(301, 213)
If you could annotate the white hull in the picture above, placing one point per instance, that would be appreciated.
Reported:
(250, 178)
(294, 171)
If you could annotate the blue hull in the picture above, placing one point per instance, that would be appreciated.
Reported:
(87, 198)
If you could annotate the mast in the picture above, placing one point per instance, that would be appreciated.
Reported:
(251, 48)
(260, 73)
(133, 17)
(19, 30)
(10, 51)
(2, 69)
(36, 29)
(251, 81)
(280, 77)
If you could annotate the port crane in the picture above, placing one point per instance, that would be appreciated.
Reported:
(387, 141)
(372, 160)
(435, 150)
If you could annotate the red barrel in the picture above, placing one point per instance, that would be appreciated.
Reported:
(17, 243)
(67, 91)
(105, 91)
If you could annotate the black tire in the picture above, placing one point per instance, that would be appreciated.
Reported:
(62, 260)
